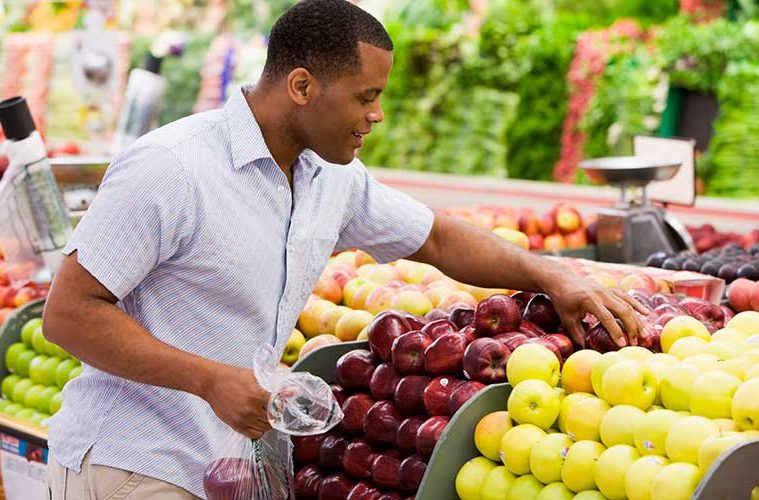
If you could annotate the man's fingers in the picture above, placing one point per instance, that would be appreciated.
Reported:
(629, 319)
(576, 332)
(631, 300)
(606, 318)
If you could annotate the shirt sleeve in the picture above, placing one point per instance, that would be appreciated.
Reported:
(383, 221)
(137, 220)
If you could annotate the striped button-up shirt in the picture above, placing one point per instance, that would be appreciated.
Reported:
(196, 231)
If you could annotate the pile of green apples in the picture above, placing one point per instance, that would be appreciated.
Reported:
(625, 424)
(38, 371)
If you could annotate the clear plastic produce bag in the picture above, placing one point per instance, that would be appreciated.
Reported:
(300, 405)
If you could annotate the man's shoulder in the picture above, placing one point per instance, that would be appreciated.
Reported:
(187, 131)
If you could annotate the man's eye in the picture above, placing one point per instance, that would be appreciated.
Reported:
(368, 100)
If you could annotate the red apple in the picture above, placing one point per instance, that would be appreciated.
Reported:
(642, 296)
(358, 458)
(576, 239)
(307, 482)
(445, 354)
(462, 316)
(562, 342)
(391, 496)
(415, 321)
(409, 394)
(437, 393)
(434, 315)
(354, 369)
(548, 344)
(335, 487)
(381, 423)
(658, 299)
(408, 352)
(531, 329)
(383, 330)
(485, 361)
(527, 222)
(496, 314)
(522, 299)
(364, 491)
(711, 315)
(354, 411)
(542, 313)
(306, 448)
(383, 382)
(405, 438)
(331, 452)
(536, 241)
(462, 393)
(469, 333)
(339, 393)
(650, 336)
(512, 340)
(599, 339)
(428, 434)
(547, 224)
(436, 329)
(568, 219)
(410, 473)
(729, 312)
(385, 471)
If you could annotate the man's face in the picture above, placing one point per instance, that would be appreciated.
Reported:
(335, 123)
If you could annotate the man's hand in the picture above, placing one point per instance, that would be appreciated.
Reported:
(574, 296)
(238, 400)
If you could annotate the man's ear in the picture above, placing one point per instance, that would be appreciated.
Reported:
(302, 87)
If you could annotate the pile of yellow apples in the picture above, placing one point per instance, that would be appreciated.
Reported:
(625, 424)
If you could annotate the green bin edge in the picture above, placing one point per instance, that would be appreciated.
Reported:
(456, 445)
(10, 332)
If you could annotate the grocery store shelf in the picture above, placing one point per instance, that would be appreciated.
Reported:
(23, 430)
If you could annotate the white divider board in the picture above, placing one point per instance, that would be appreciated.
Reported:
(681, 189)
(23, 469)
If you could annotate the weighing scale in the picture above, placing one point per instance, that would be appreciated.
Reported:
(635, 228)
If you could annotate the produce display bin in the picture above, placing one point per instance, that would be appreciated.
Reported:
(589, 252)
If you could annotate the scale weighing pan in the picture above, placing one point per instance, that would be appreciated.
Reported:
(630, 170)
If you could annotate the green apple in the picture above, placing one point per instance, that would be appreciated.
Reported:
(9, 382)
(489, 432)
(292, 348)
(75, 373)
(470, 477)
(32, 397)
(685, 438)
(525, 488)
(640, 476)
(516, 446)
(532, 361)
(496, 484)
(599, 368)
(566, 404)
(63, 371)
(714, 446)
(45, 399)
(48, 368)
(579, 469)
(534, 402)
(675, 481)
(584, 419)
(686, 347)
(39, 342)
(13, 409)
(19, 390)
(630, 383)
(651, 433)
(555, 491)
(723, 350)
(713, 396)
(4, 403)
(25, 414)
(679, 327)
(635, 352)
(590, 495)
(704, 362)
(28, 329)
(55, 402)
(611, 469)
(618, 425)
(39, 418)
(547, 457)
(12, 353)
(676, 386)
(58, 351)
(36, 371)
(745, 410)
(747, 322)
(24, 361)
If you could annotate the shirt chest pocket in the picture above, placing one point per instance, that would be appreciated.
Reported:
(315, 252)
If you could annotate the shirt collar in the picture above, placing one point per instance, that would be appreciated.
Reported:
(246, 139)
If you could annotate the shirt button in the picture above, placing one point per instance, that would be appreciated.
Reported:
(280, 187)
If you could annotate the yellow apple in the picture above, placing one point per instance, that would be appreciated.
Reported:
(611, 470)
(599, 368)
(682, 326)
(534, 402)
(496, 484)
(723, 350)
(524, 488)
(532, 361)
(635, 352)
(737, 367)
(362, 293)
(618, 425)
(547, 457)
(686, 347)
(293, 347)
(685, 438)
(752, 373)
(350, 289)
(730, 335)
(575, 374)
(651, 433)
(555, 491)
(662, 357)
(578, 472)
(752, 434)
(712, 396)
(351, 323)
(676, 385)
(380, 299)
(566, 404)
(641, 474)
(714, 446)
(584, 419)
(489, 432)
(745, 410)
(471, 476)
(590, 495)
(659, 369)
(676, 481)
(513, 236)
(316, 342)
(630, 382)
(747, 322)
(516, 446)
(412, 301)
(308, 320)
(726, 425)
(704, 362)
(364, 333)
(329, 318)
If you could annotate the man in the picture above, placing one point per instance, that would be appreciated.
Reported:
(205, 241)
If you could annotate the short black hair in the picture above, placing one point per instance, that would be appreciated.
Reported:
(322, 36)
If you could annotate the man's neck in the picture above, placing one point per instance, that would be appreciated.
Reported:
(278, 136)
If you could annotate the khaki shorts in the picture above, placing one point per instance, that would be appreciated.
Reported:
(98, 482)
